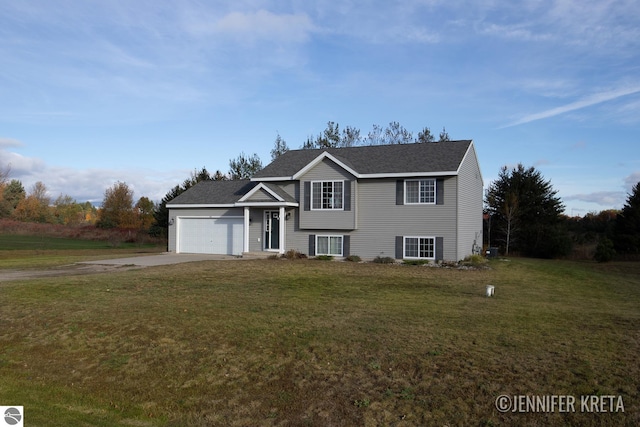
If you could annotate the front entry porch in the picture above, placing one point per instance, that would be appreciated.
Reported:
(265, 218)
(266, 235)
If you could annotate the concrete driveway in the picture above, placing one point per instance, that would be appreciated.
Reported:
(160, 259)
(108, 265)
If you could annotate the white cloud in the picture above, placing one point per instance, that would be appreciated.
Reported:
(19, 164)
(615, 199)
(250, 27)
(516, 32)
(8, 142)
(602, 198)
(87, 184)
(632, 180)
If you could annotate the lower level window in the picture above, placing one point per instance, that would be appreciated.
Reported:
(329, 245)
(420, 247)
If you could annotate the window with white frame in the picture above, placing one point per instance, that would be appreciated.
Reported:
(420, 247)
(327, 195)
(329, 245)
(420, 191)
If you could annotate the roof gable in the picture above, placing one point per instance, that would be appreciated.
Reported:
(325, 155)
(261, 193)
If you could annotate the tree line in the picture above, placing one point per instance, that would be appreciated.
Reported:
(524, 215)
(36, 205)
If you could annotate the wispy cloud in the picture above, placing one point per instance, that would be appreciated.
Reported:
(84, 184)
(9, 142)
(602, 198)
(580, 145)
(632, 180)
(588, 101)
(265, 26)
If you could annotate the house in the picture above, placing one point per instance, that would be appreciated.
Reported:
(408, 201)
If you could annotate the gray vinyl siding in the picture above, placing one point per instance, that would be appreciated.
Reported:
(261, 196)
(470, 190)
(328, 219)
(256, 229)
(174, 214)
(380, 219)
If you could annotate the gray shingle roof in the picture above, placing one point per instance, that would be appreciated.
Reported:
(377, 159)
(218, 192)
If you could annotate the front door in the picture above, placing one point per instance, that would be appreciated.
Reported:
(271, 230)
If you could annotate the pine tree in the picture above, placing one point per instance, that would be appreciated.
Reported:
(526, 213)
(627, 229)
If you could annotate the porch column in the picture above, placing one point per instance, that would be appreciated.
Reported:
(245, 245)
(282, 228)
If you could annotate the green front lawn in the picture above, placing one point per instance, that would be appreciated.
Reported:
(273, 342)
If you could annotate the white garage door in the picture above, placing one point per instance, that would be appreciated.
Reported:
(210, 235)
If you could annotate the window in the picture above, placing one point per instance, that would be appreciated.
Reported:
(420, 191)
(329, 245)
(420, 247)
(327, 195)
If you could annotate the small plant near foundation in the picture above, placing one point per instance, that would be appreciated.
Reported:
(293, 254)
(415, 261)
(474, 261)
(384, 260)
(353, 258)
(324, 258)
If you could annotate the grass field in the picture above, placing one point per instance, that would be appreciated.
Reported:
(29, 252)
(25, 242)
(313, 343)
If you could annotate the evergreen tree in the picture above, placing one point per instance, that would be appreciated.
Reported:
(527, 214)
(161, 213)
(395, 133)
(627, 228)
(10, 195)
(444, 136)
(350, 137)
(425, 135)
(244, 167)
(279, 148)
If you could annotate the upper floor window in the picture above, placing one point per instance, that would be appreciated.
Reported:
(327, 195)
(420, 191)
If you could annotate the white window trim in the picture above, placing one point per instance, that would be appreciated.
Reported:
(321, 208)
(404, 247)
(435, 192)
(329, 236)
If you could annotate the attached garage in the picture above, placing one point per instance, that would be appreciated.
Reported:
(207, 235)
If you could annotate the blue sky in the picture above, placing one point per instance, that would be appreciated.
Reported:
(146, 91)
